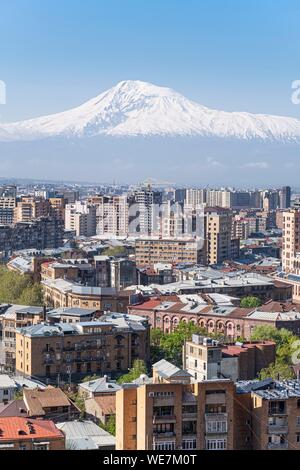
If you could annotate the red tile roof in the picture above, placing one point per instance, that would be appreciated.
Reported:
(148, 305)
(16, 428)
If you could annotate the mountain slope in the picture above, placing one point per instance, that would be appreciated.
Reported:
(135, 108)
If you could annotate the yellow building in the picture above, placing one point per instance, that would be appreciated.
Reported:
(218, 225)
(70, 351)
(149, 251)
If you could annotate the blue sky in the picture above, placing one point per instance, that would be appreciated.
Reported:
(233, 55)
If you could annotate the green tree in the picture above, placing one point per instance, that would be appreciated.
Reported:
(250, 302)
(139, 368)
(110, 426)
(78, 401)
(277, 371)
(18, 289)
(287, 344)
(32, 295)
(172, 343)
(115, 251)
(156, 351)
(89, 378)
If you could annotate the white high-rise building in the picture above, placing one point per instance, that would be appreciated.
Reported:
(81, 218)
(111, 215)
(195, 197)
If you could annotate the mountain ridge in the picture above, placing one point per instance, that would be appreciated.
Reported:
(135, 108)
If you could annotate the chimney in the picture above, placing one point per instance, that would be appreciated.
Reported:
(44, 313)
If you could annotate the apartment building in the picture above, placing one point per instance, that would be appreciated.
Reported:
(291, 241)
(123, 273)
(102, 271)
(171, 414)
(144, 205)
(219, 198)
(17, 316)
(7, 209)
(195, 197)
(60, 293)
(80, 271)
(240, 228)
(57, 207)
(69, 351)
(291, 251)
(208, 359)
(218, 223)
(30, 208)
(149, 251)
(40, 234)
(80, 217)
(285, 197)
(111, 215)
(273, 409)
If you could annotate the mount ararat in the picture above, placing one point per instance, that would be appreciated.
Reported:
(137, 130)
(136, 108)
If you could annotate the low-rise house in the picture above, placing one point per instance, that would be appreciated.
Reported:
(86, 435)
(101, 408)
(13, 408)
(8, 388)
(50, 403)
(18, 433)
(98, 387)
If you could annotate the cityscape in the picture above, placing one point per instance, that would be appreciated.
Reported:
(149, 230)
(112, 296)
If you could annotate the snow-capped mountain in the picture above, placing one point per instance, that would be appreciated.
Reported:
(135, 108)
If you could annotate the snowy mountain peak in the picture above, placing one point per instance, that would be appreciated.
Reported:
(134, 107)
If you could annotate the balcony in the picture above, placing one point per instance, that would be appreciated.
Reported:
(278, 445)
(164, 435)
(277, 412)
(278, 428)
(216, 416)
(48, 350)
(164, 419)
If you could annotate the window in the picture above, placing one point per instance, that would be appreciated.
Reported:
(298, 438)
(164, 446)
(216, 427)
(216, 444)
(189, 444)
(41, 446)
